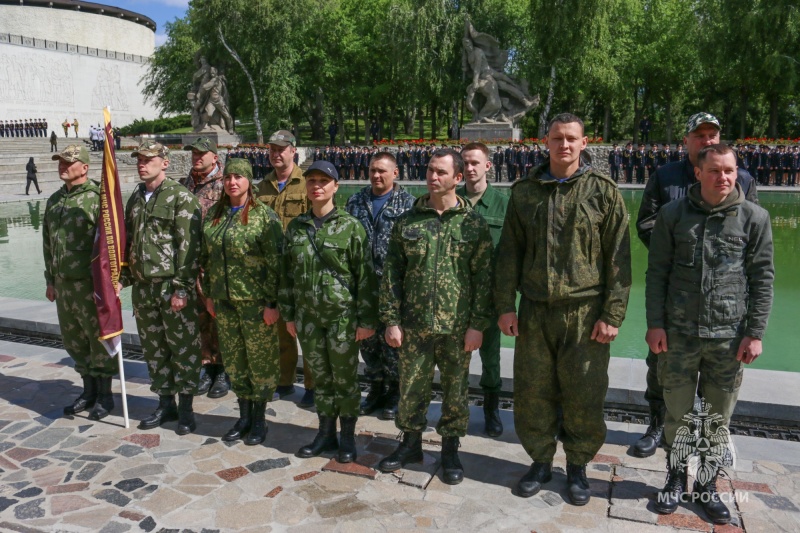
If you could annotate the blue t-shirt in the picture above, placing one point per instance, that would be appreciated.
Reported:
(281, 185)
(378, 202)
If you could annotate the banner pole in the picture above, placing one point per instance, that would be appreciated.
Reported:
(122, 387)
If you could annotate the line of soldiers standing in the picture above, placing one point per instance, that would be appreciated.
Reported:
(637, 162)
(34, 127)
(778, 165)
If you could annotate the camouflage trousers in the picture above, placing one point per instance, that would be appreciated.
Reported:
(170, 341)
(420, 353)
(331, 352)
(556, 364)
(654, 394)
(209, 335)
(288, 359)
(251, 348)
(690, 361)
(380, 359)
(77, 317)
(490, 360)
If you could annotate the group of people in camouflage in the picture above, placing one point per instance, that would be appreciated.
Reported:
(417, 284)
(33, 127)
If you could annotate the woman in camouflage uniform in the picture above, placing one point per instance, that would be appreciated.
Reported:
(240, 256)
(328, 299)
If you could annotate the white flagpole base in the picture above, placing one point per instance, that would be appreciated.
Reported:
(122, 387)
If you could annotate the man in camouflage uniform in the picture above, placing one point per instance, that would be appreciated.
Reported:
(565, 247)
(377, 207)
(205, 182)
(708, 297)
(68, 235)
(491, 204)
(164, 222)
(669, 183)
(435, 305)
(284, 190)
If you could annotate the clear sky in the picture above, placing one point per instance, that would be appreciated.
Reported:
(161, 11)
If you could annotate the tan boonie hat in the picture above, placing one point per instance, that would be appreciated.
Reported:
(282, 138)
(72, 153)
(151, 149)
(202, 144)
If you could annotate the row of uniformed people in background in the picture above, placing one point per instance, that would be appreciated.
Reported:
(635, 162)
(33, 127)
(778, 165)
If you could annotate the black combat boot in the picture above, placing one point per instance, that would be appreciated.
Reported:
(409, 451)
(166, 411)
(531, 483)
(221, 384)
(206, 380)
(186, 423)
(347, 439)
(392, 401)
(452, 471)
(670, 496)
(258, 430)
(104, 403)
(648, 444)
(325, 441)
(242, 426)
(86, 399)
(708, 497)
(375, 398)
(493, 426)
(577, 484)
(307, 400)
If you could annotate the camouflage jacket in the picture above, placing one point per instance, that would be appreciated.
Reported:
(438, 270)
(68, 232)
(379, 227)
(208, 190)
(289, 203)
(565, 241)
(341, 287)
(243, 262)
(710, 270)
(163, 236)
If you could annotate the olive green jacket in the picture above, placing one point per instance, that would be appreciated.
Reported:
(289, 203)
(164, 236)
(710, 270)
(68, 232)
(564, 241)
(492, 207)
(438, 270)
(342, 285)
(242, 262)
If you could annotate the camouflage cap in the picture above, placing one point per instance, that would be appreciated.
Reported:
(72, 153)
(282, 138)
(697, 119)
(202, 144)
(151, 149)
(237, 165)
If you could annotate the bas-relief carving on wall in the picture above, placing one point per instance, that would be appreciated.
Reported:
(108, 90)
(33, 79)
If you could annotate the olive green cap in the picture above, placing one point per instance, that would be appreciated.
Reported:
(151, 149)
(202, 144)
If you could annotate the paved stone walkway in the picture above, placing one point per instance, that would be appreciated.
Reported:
(62, 474)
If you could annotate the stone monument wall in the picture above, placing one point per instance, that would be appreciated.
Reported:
(57, 64)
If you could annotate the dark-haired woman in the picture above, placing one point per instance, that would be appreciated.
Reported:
(242, 241)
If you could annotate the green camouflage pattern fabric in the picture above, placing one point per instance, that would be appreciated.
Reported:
(72, 153)
(720, 377)
(77, 318)
(420, 353)
(151, 149)
(565, 241)
(557, 364)
(380, 359)
(250, 347)
(492, 206)
(170, 340)
(325, 312)
(68, 232)
(710, 270)
(438, 270)
(243, 262)
(309, 286)
(163, 236)
(697, 119)
(202, 144)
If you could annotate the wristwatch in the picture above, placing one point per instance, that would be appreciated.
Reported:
(181, 293)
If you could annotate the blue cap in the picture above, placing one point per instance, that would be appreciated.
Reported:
(325, 167)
